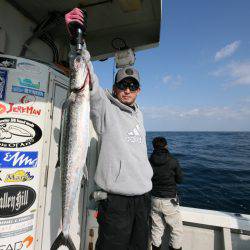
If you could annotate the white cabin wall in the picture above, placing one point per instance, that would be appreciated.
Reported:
(19, 29)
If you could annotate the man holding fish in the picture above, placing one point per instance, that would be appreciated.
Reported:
(123, 170)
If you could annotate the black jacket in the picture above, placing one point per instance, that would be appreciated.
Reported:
(167, 172)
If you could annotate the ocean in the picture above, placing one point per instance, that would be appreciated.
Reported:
(216, 168)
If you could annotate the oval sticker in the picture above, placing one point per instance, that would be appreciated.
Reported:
(18, 133)
(15, 200)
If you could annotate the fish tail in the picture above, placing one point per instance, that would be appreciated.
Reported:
(58, 164)
(61, 240)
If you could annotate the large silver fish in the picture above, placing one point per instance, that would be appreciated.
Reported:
(74, 142)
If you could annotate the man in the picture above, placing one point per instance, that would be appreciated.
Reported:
(167, 173)
(123, 169)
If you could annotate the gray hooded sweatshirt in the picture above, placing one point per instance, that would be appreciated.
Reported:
(123, 166)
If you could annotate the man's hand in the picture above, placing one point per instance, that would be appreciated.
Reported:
(75, 15)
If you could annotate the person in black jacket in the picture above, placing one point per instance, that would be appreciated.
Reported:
(165, 205)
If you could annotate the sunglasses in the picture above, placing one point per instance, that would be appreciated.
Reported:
(123, 85)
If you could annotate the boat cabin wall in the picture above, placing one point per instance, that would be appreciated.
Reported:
(17, 29)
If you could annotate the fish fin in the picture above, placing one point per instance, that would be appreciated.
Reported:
(62, 241)
(58, 164)
(85, 172)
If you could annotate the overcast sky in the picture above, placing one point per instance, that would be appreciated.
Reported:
(198, 79)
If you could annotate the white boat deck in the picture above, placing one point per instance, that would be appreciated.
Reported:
(203, 229)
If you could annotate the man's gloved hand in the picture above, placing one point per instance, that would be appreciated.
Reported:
(75, 15)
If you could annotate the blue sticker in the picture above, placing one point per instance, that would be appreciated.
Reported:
(27, 91)
(18, 159)
(3, 83)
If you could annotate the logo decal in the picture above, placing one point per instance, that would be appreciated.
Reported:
(15, 200)
(2, 108)
(19, 176)
(27, 86)
(27, 82)
(28, 99)
(134, 135)
(7, 62)
(18, 133)
(29, 67)
(3, 83)
(129, 72)
(28, 240)
(18, 245)
(19, 109)
(24, 90)
(16, 159)
(15, 233)
(16, 220)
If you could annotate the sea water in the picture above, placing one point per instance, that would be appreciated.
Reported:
(216, 168)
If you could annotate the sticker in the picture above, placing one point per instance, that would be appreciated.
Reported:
(18, 133)
(11, 221)
(28, 241)
(18, 89)
(31, 68)
(15, 233)
(3, 83)
(16, 226)
(27, 82)
(16, 159)
(2, 108)
(18, 245)
(19, 176)
(31, 99)
(7, 62)
(15, 200)
(19, 109)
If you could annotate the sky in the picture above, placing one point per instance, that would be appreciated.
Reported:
(198, 79)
